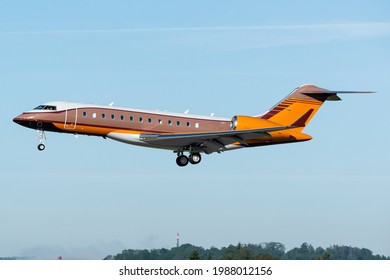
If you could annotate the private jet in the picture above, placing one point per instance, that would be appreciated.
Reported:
(183, 133)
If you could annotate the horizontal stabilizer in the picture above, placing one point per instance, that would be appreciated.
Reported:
(332, 94)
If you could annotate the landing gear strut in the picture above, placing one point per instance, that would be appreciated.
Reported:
(41, 138)
(183, 160)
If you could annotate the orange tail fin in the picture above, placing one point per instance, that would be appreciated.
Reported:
(300, 106)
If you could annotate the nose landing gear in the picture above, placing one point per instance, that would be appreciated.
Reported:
(41, 138)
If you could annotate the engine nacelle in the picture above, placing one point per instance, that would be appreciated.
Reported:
(247, 123)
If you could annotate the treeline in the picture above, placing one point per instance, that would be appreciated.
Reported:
(12, 258)
(263, 251)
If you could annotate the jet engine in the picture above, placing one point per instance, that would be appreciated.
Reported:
(248, 123)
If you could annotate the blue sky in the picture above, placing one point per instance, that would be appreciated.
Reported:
(87, 197)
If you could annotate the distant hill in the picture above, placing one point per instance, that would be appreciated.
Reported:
(262, 251)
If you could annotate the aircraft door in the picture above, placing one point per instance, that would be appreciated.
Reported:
(70, 119)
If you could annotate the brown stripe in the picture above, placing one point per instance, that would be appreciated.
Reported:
(301, 122)
(297, 100)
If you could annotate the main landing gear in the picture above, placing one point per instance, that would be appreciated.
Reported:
(41, 138)
(183, 160)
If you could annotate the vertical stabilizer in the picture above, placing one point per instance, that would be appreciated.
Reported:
(300, 106)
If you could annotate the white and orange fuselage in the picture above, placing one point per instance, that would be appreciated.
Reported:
(182, 132)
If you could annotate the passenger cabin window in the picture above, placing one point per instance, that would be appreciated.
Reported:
(178, 123)
(160, 121)
(122, 118)
(188, 124)
(103, 116)
(141, 119)
(94, 115)
(196, 125)
(84, 114)
(149, 120)
(169, 122)
(131, 118)
(113, 117)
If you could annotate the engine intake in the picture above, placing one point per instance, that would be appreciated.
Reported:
(247, 123)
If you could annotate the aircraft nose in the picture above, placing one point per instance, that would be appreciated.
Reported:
(25, 120)
(18, 119)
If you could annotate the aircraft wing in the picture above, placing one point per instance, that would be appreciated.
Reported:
(208, 142)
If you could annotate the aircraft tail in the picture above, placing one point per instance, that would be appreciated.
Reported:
(300, 106)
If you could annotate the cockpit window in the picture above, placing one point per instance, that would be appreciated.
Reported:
(46, 107)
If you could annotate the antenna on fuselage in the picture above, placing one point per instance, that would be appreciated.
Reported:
(111, 104)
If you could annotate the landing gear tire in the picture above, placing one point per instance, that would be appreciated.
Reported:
(41, 147)
(195, 158)
(182, 160)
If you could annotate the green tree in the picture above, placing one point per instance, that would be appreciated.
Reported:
(238, 252)
(275, 249)
(264, 257)
(325, 256)
(194, 255)
(305, 252)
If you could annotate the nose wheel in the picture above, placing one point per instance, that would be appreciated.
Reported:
(41, 147)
